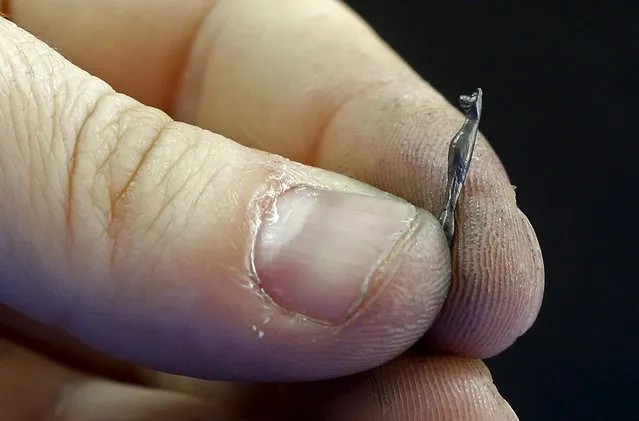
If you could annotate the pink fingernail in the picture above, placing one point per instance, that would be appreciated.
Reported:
(316, 250)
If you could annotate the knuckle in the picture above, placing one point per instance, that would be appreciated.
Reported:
(113, 161)
(177, 182)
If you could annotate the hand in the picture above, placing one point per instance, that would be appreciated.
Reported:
(134, 245)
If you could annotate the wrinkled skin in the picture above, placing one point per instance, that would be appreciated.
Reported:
(127, 219)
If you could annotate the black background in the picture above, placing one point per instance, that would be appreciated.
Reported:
(561, 111)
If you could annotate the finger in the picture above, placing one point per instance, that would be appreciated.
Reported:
(32, 387)
(337, 98)
(171, 247)
(63, 348)
(433, 388)
(410, 388)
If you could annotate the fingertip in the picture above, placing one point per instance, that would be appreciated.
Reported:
(461, 388)
(411, 288)
(498, 280)
(407, 287)
(537, 274)
(409, 388)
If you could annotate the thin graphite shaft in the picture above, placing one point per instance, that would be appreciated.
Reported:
(460, 153)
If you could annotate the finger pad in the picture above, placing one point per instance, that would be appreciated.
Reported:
(411, 388)
(497, 281)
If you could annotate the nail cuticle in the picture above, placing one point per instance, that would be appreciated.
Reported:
(259, 207)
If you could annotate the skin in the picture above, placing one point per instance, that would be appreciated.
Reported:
(104, 310)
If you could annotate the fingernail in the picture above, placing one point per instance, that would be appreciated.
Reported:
(316, 250)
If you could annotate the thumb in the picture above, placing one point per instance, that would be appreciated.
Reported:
(177, 249)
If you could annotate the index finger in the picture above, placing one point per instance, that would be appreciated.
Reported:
(310, 81)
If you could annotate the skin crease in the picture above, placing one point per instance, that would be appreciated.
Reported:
(343, 102)
(337, 117)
